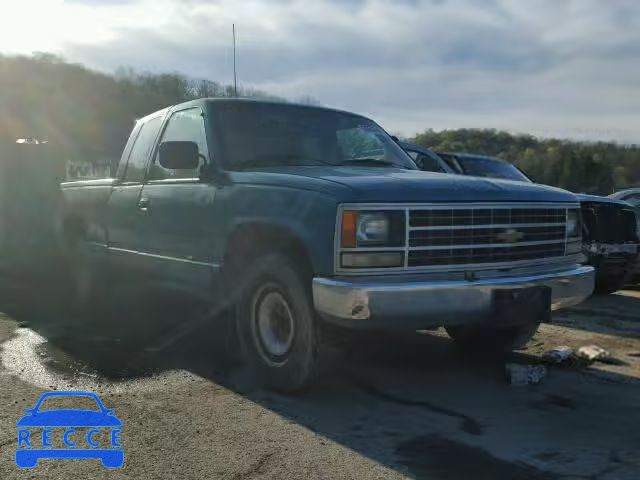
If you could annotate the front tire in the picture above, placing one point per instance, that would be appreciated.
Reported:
(492, 340)
(277, 325)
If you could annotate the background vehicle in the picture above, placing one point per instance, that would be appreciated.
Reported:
(632, 197)
(303, 219)
(425, 159)
(610, 236)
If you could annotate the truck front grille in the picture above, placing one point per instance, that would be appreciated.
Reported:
(480, 255)
(477, 235)
(463, 237)
(608, 223)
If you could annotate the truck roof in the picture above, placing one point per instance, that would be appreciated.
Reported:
(203, 102)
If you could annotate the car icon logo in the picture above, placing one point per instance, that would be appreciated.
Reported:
(27, 454)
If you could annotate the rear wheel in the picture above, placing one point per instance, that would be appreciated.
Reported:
(277, 325)
(487, 339)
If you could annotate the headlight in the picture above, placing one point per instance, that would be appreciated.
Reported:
(371, 239)
(361, 228)
(372, 228)
(573, 226)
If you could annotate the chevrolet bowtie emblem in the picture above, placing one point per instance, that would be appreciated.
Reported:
(510, 236)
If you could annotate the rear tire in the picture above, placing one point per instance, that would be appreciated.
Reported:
(496, 340)
(277, 325)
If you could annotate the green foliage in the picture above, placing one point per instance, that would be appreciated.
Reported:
(88, 115)
(591, 167)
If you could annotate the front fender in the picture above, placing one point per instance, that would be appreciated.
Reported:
(307, 216)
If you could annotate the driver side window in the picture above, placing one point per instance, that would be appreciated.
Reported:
(184, 125)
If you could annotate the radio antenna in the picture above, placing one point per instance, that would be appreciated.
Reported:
(235, 78)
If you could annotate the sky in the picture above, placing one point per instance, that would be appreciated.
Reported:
(553, 68)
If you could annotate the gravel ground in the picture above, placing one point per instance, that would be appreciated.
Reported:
(391, 407)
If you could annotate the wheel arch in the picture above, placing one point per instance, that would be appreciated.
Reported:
(249, 241)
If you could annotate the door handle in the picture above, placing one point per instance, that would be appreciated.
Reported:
(144, 204)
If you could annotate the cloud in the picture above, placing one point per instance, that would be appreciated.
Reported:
(554, 68)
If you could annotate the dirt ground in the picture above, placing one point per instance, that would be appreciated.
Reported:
(392, 407)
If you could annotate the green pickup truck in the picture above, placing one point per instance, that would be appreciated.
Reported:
(304, 220)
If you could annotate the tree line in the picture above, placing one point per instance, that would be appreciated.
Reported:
(88, 115)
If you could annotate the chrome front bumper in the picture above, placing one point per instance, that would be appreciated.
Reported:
(392, 302)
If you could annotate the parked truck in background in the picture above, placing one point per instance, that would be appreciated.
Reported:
(632, 197)
(611, 228)
(305, 220)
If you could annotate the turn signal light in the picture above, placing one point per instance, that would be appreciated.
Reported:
(348, 234)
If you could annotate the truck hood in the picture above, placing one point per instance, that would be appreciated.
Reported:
(371, 184)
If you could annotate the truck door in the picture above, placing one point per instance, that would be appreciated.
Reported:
(124, 215)
(178, 213)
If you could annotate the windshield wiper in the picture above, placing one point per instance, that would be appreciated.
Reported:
(375, 162)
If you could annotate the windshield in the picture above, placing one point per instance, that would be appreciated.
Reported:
(258, 135)
(491, 168)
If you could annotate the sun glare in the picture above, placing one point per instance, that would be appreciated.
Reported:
(28, 25)
(49, 25)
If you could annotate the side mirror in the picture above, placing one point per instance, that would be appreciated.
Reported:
(395, 139)
(179, 155)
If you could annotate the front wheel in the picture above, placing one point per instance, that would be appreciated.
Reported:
(277, 325)
(488, 339)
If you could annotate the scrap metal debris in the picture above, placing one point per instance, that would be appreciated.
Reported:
(558, 354)
(521, 375)
(594, 353)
